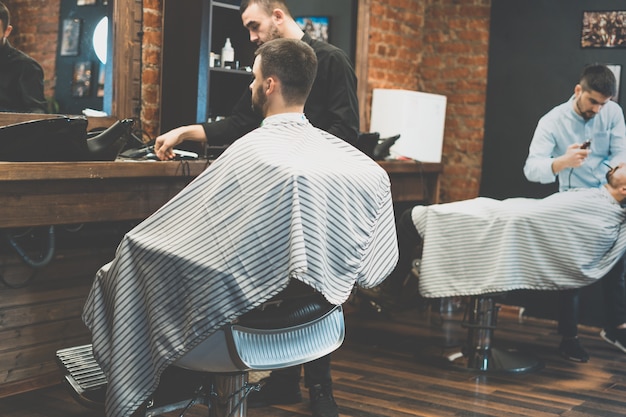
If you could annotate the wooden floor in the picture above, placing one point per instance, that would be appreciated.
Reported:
(396, 365)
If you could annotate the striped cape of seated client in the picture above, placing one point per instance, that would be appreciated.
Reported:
(566, 240)
(287, 201)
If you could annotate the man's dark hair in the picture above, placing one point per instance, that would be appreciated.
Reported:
(5, 16)
(293, 62)
(266, 5)
(600, 78)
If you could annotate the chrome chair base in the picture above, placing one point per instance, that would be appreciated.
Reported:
(479, 354)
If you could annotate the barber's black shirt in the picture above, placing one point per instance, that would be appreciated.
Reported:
(332, 104)
(21, 82)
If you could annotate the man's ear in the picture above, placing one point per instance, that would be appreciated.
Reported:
(8, 30)
(271, 85)
(278, 16)
(578, 89)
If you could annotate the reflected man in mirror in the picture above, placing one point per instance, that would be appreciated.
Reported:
(21, 77)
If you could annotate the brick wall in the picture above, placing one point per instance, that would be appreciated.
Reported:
(37, 33)
(151, 62)
(395, 45)
(438, 46)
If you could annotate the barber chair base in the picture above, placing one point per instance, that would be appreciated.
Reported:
(496, 360)
(479, 354)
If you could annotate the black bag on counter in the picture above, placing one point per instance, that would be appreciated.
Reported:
(62, 138)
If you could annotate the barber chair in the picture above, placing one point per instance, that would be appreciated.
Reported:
(285, 331)
(479, 354)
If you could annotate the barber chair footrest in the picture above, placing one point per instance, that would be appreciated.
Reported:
(83, 374)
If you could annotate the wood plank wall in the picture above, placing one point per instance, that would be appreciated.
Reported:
(45, 315)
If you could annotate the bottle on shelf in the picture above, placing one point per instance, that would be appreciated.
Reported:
(228, 54)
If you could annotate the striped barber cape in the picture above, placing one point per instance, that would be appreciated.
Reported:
(285, 201)
(567, 240)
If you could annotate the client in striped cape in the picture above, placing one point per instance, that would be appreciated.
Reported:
(566, 240)
(286, 201)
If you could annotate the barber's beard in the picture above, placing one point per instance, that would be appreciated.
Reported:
(273, 34)
(584, 114)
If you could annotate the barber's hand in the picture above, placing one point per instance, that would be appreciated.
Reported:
(575, 156)
(164, 145)
(572, 158)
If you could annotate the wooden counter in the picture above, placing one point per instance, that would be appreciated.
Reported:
(413, 182)
(45, 193)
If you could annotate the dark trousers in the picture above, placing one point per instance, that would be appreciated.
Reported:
(614, 291)
(409, 241)
(315, 372)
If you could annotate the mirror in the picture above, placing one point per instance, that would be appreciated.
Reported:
(36, 37)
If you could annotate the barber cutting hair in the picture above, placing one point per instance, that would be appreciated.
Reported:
(576, 143)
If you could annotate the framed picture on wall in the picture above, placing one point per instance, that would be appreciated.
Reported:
(317, 27)
(604, 29)
(617, 71)
(81, 79)
(70, 39)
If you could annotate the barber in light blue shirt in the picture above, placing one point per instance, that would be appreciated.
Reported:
(555, 150)
(559, 150)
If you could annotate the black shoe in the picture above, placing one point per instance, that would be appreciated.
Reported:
(616, 337)
(273, 392)
(322, 401)
(570, 348)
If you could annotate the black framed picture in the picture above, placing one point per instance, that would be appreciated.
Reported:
(317, 27)
(603, 29)
(71, 37)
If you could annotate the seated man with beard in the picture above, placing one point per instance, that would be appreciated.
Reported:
(285, 202)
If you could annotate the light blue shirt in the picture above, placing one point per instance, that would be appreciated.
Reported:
(562, 127)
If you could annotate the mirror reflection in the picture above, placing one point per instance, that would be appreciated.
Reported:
(70, 42)
(80, 71)
(21, 77)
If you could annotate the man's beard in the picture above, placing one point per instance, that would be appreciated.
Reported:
(585, 114)
(259, 99)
